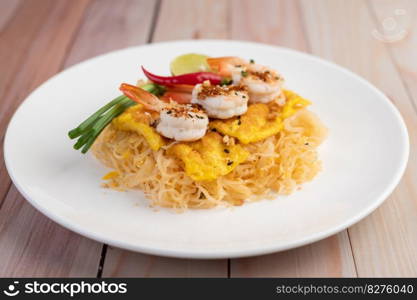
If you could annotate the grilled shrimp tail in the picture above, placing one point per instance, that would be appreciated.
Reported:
(222, 65)
(141, 96)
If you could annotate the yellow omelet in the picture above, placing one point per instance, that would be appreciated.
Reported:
(251, 127)
(209, 157)
(293, 103)
(261, 120)
(137, 120)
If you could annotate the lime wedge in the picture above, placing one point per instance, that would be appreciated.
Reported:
(189, 63)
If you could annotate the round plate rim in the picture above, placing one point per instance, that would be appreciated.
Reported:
(219, 254)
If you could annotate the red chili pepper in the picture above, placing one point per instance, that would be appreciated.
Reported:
(182, 98)
(180, 88)
(191, 78)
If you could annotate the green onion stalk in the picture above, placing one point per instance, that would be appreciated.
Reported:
(90, 129)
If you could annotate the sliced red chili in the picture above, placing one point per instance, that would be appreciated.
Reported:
(190, 79)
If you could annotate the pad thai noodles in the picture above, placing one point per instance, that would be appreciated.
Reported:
(219, 131)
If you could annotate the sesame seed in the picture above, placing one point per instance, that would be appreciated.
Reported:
(215, 90)
(229, 163)
(226, 150)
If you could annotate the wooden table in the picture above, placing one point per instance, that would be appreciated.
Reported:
(39, 38)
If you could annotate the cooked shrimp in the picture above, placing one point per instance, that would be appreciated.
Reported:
(221, 102)
(264, 84)
(181, 122)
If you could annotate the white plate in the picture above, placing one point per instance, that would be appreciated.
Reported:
(364, 158)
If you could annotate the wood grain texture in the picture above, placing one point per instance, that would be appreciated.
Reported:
(187, 19)
(331, 257)
(268, 21)
(172, 23)
(8, 9)
(40, 37)
(70, 254)
(397, 23)
(282, 25)
(384, 244)
(121, 263)
(33, 245)
(25, 41)
(109, 26)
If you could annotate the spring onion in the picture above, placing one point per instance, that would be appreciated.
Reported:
(89, 130)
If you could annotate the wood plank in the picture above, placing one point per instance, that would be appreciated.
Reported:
(397, 26)
(31, 244)
(331, 257)
(38, 30)
(48, 249)
(384, 243)
(109, 26)
(282, 25)
(34, 246)
(189, 19)
(121, 263)
(8, 9)
(268, 21)
(206, 19)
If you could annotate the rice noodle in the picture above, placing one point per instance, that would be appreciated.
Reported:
(278, 164)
